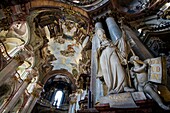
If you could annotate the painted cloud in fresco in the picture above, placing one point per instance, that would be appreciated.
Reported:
(67, 53)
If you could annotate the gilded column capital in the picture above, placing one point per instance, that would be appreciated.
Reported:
(36, 92)
(73, 102)
(17, 78)
(28, 79)
(79, 91)
(39, 85)
(30, 76)
(20, 57)
(32, 72)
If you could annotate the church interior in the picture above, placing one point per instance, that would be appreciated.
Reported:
(84, 56)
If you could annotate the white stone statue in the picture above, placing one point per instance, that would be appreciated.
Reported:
(141, 83)
(109, 65)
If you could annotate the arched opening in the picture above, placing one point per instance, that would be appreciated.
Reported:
(56, 91)
(55, 95)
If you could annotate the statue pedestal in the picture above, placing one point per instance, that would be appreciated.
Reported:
(90, 110)
(144, 106)
(120, 100)
(134, 102)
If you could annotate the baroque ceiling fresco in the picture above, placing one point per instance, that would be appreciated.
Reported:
(66, 35)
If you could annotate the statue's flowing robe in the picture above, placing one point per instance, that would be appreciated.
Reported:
(111, 69)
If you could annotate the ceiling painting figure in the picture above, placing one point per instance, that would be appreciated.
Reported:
(68, 51)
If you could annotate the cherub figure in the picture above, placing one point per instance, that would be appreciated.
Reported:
(141, 83)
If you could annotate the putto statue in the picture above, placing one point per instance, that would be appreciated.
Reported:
(141, 82)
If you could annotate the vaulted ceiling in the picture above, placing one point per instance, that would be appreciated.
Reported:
(60, 31)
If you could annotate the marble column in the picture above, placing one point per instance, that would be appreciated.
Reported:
(94, 87)
(36, 95)
(136, 45)
(28, 103)
(114, 30)
(17, 95)
(10, 69)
